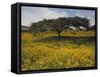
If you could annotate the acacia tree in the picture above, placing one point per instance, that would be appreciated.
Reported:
(58, 25)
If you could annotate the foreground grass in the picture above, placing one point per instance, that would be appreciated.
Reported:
(47, 51)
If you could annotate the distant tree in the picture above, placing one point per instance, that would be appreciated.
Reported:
(92, 28)
(25, 28)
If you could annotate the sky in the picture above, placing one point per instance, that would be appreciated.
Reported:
(34, 14)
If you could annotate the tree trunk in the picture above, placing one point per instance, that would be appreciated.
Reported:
(59, 34)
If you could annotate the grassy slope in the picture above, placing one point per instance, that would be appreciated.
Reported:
(47, 51)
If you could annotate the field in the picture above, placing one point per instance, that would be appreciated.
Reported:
(48, 51)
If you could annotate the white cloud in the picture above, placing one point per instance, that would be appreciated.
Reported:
(39, 14)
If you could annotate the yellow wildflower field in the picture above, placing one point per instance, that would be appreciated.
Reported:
(47, 51)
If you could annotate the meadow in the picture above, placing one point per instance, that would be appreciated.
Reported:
(48, 51)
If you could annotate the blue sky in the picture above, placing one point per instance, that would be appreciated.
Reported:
(35, 14)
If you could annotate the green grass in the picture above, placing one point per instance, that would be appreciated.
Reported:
(47, 51)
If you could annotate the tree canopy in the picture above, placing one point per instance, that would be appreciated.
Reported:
(59, 24)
